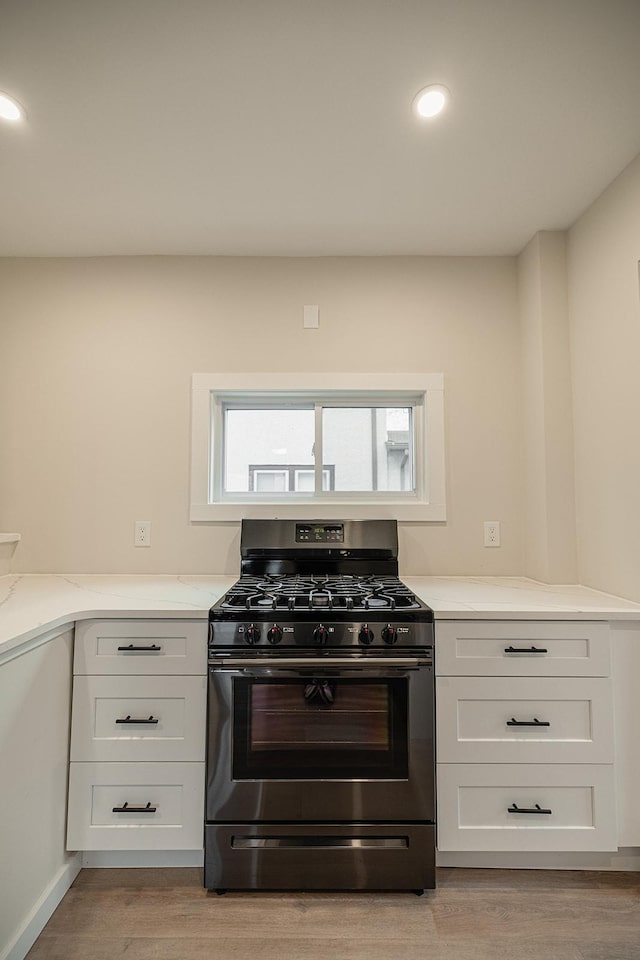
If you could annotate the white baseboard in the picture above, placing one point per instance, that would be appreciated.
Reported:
(32, 926)
(625, 858)
(142, 858)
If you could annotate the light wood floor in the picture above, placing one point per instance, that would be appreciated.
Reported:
(472, 915)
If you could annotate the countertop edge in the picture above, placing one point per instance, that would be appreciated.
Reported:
(42, 603)
(68, 620)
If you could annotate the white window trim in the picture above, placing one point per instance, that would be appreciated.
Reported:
(429, 502)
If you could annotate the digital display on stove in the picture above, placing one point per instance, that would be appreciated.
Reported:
(323, 533)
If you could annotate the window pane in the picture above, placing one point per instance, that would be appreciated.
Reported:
(258, 441)
(371, 447)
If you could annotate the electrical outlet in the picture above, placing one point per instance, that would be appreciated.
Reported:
(142, 535)
(492, 533)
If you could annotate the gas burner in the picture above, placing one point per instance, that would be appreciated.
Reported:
(334, 592)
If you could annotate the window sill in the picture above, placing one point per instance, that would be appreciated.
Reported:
(329, 510)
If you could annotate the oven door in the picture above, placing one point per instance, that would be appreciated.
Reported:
(332, 741)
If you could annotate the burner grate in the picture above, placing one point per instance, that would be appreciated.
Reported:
(329, 592)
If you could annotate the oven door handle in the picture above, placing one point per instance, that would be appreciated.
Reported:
(313, 664)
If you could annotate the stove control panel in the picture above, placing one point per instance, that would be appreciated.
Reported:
(318, 637)
(323, 533)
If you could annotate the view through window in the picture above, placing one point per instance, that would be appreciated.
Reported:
(271, 450)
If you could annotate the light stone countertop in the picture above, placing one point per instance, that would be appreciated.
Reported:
(509, 598)
(32, 604)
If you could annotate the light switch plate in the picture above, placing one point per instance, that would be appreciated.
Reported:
(311, 319)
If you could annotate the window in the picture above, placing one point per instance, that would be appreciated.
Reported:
(317, 446)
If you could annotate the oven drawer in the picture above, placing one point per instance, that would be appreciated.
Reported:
(141, 647)
(542, 807)
(138, 718)
(135, 806)
(523, 648)
(524, 720)
(319, 856)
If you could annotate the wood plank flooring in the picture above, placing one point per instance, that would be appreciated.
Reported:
(472, 915)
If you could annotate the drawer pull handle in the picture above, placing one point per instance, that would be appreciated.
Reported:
(130, 648)
(531, 649)
(130, 719)
(514, 808)
(125, 808)
(522, 723)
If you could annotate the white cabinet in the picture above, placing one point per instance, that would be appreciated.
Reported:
(136, 806)
(524, 720)
(138, 735)
(523, 648)
(525, 742)
(526, 808)
(35, 870)
(137, 647)
(138, 718)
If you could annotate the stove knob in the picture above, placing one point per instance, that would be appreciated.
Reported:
(389, 634)
(320, 635)
(274, 634)
(252, 634)
(366, 634)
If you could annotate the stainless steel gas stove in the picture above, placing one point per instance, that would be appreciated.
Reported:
(320, 760)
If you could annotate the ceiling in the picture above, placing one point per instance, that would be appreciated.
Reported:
(284, 128)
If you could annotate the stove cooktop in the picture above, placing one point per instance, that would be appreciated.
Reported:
(336, 593)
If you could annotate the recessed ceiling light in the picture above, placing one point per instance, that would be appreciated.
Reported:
(9, 109)
(430, 101)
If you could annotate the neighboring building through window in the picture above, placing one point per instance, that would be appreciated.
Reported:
(272, 478)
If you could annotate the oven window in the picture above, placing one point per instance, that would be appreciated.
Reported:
(320, 728)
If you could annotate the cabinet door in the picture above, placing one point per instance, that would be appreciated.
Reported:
(542, 807)
(141, 646)
(138, 718)
(524, 720)
(136, 806)
(534, 648)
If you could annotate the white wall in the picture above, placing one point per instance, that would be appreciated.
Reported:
(97, 356)
(604, 310)
(547, 416)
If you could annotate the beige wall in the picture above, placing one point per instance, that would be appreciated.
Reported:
(96, 360)
(549, 531)
(604, 250)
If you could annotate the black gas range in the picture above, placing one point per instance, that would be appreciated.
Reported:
(321, 677)
(317, 586)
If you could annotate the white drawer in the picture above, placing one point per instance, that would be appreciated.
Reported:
(138, 718)
(481, 720)
(171, 794)
(522, 648)
(474, 802)
(141, 646)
